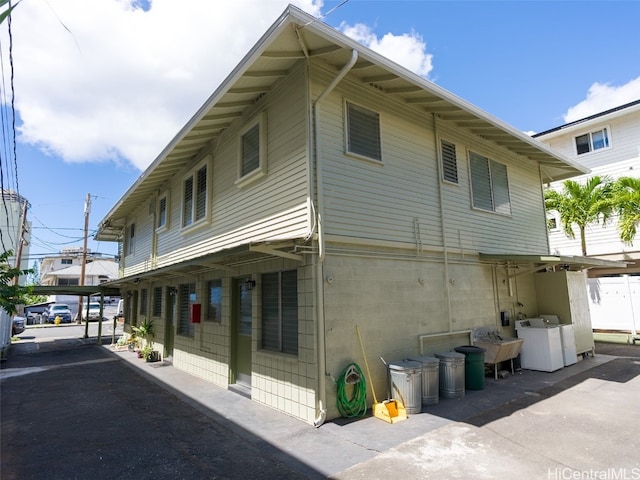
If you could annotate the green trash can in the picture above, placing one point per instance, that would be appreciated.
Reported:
(473, 366)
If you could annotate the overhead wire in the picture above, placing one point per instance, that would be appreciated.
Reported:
(9, 142)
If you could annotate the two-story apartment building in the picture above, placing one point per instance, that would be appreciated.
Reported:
(608, 143)
(320, 187)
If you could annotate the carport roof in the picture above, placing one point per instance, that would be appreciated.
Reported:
(295, 36)
(535, 263)
(81, 291)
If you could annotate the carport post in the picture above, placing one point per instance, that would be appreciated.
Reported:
(86, 319)
(101, 317)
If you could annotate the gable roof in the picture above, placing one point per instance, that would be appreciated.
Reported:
(294, 36)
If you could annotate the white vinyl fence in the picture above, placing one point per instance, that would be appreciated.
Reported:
(614, 303)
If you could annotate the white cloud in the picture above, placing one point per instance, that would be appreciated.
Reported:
(408, 49)
(104, 80)
(603, 96)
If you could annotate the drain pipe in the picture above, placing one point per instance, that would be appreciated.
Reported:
(322, 357)
(443, 224)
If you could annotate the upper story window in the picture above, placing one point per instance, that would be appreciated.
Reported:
(449, 162)
(363, 132)
(252, 162)
(194, 200)
(596, 140)
(66, 261)
(553, 221)
(162, 212)
(489, 184)
(130, 239)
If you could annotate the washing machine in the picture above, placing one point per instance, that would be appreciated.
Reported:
(542, 347)
(567, 337)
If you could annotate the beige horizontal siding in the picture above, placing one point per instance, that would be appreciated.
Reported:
(271, 208)
(383, 201)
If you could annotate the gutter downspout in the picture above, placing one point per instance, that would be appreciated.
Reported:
(322, 358)
(447, 282)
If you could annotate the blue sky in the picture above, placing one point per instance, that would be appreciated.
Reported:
(102, 86)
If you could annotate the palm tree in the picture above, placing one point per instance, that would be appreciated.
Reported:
(582, 204)
(627, 200)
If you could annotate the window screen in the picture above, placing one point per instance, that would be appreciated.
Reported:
(363, 128)
(250, 151)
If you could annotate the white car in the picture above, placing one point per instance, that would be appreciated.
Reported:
(94, 311)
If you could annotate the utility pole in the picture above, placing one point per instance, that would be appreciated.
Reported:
(21, 240)
(87, 211)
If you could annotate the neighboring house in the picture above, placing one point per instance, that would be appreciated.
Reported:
(321, 187)
(66, 258)
(66, 270)
(12, 230)
(608, 143)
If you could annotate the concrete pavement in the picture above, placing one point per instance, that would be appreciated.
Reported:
(583, 418)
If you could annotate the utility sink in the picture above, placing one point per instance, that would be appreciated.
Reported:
(498, 348)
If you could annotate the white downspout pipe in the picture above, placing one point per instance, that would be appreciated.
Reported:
(322, 358)
(443, 224)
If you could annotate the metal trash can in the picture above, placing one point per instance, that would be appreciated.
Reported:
(430, 379)
(473, 366)
(451, 374)
(406, 384)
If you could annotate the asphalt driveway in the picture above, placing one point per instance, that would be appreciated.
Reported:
(78, 413)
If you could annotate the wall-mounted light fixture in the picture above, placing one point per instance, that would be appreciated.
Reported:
(136, 281)
(173, 291)
(249, 284)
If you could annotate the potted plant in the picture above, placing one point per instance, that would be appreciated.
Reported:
(145, 330)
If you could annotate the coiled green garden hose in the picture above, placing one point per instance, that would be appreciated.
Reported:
(356, 404)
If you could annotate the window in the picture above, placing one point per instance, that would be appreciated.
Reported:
(144, 299)
(280, 312)
(214, 309)
(449, 162)
(194, 205)
(489, 185)
(253, 148)
(162, 212)
(130, 240)
(592, 141)
(157, 302)
(186, 296)
(66, 261)
(363, 132)
(68, 281)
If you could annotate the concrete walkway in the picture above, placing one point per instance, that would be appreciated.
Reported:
(581, 420)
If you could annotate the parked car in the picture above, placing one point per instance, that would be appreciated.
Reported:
(18, 325)
(94, 311)
(61, 310)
